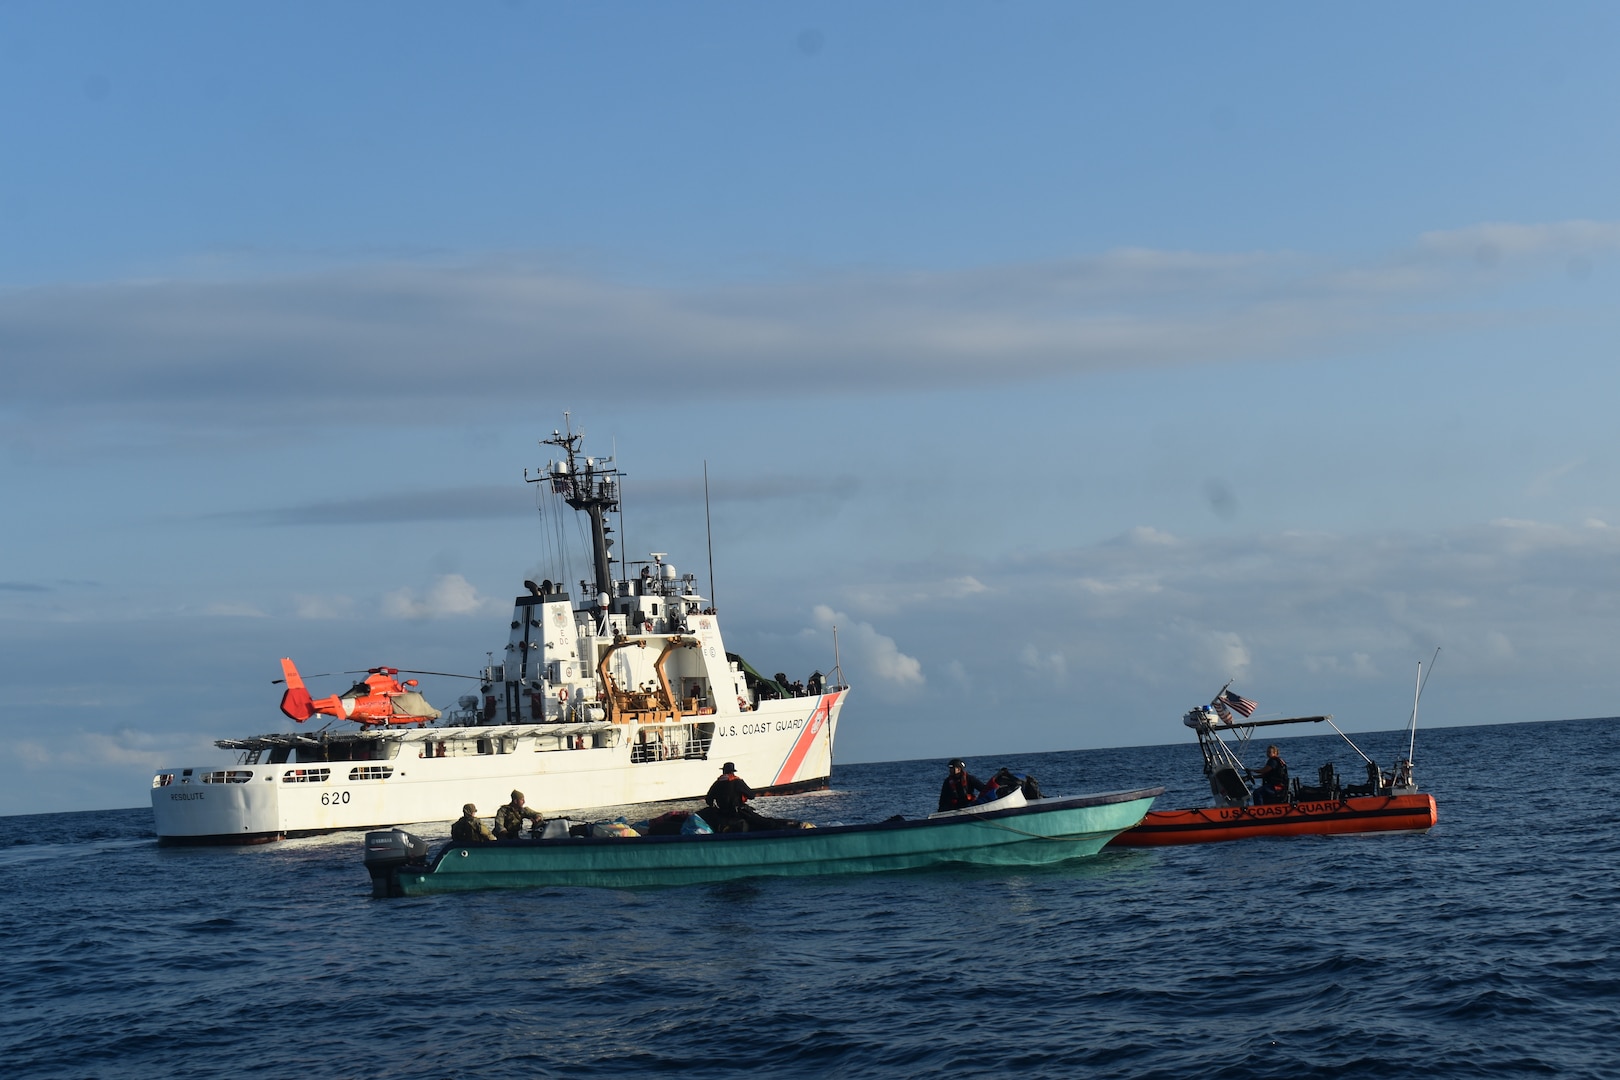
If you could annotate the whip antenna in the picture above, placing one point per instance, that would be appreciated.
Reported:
(1422, 681)
(708, 527)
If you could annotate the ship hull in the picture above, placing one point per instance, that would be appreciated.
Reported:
(1368, 814)
(1041, 833)
(782, 747)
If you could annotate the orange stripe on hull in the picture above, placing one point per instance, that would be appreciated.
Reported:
(807, 738)
(1368, 814)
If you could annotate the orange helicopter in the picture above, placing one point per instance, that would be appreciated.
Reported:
(380, 698)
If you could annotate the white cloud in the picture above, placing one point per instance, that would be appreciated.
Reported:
(1498, 646)
(1544, 483)
(1491, 241)
(390, 331)
(240, 611)
(1048, 665)
(1358, 665)
(451, 595)
(123, 748)
(893, 598)
(1135, 583)
(1519, 536)
(1223, 653)
(1503, 600)
(104, 749)
(1147, 535)
(873, 653)
(323, 607)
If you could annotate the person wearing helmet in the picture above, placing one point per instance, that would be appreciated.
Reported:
(960, 787)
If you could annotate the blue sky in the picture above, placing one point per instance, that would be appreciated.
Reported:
(1071, 359)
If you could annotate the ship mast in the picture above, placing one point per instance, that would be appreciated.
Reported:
(588, 484)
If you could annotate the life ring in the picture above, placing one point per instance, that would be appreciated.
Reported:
(562, 695)
(646, 627)
(742, 704)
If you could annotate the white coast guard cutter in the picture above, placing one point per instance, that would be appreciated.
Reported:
(624, 693)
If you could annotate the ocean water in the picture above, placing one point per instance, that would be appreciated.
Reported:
(1484, 948)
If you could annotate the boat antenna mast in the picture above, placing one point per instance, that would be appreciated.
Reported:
(838, 667)
(1422, 681)
(708, 530)
(590, 485)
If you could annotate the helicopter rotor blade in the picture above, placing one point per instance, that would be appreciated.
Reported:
(403, 671)
(322, 675)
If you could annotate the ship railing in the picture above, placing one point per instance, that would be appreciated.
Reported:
(685, 741)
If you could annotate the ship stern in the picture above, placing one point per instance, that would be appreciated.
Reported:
(216, 806)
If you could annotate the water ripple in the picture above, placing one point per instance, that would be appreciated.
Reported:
(1482, 949)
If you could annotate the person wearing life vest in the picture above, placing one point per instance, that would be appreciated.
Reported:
(1273, 777)
(960, 787)
(725, 806)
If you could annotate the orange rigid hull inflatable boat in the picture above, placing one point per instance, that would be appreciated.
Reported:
(1370, 814)
(1388, 801)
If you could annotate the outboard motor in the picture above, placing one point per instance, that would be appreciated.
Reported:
(386, 852)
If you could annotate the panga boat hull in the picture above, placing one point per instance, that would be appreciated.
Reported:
(1367, 814)
(1047, 831)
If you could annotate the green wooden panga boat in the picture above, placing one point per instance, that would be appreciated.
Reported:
(1036, 834)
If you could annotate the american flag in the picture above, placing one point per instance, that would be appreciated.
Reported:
(1241, 704)
(1223, 712)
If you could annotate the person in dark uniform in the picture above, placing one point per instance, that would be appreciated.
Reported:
(960, 786)
(509, 819)
(725, 805)
(1273, 777)
(468, 827)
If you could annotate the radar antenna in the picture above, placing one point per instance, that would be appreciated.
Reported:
(588, 484)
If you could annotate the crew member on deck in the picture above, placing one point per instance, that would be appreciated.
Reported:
(960, 786)
(468, 827)
(725, 806)
(1273, 776)
(509, 818)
